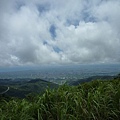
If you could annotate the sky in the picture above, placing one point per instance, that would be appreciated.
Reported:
(62, 32)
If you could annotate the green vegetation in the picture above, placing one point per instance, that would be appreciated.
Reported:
(95, 100)
(22, 89)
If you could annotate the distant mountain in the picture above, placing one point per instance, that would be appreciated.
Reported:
(22, 88)
(79, 81)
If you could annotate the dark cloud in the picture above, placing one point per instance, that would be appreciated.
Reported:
(52, 31)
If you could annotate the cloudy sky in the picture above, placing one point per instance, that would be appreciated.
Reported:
(35, 32)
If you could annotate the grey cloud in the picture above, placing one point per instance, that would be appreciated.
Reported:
(59, 32)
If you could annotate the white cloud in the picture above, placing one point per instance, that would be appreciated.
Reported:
(86, 32)
(90, 42)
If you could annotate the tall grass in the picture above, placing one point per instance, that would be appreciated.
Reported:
(97, 100)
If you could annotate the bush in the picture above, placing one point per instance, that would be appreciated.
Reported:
(96, 100)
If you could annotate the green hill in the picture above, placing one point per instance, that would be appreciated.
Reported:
(90, 79)
(95, 100)
(22, 89)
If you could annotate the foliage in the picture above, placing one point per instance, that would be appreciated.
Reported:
(96, 100)
(22, 89)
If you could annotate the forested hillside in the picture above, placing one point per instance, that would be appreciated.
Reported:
(21, 88)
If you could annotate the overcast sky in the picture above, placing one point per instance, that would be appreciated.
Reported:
(59, 32)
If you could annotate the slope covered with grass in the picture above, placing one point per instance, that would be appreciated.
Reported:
(96, 100)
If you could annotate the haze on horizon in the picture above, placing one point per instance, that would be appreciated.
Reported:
(40, 32)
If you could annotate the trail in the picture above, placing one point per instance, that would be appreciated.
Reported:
(5, 91)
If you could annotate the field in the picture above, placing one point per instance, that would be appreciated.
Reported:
(95, 100)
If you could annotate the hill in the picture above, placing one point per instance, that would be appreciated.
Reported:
(22, 88)
(90, 79)
(95, 100)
